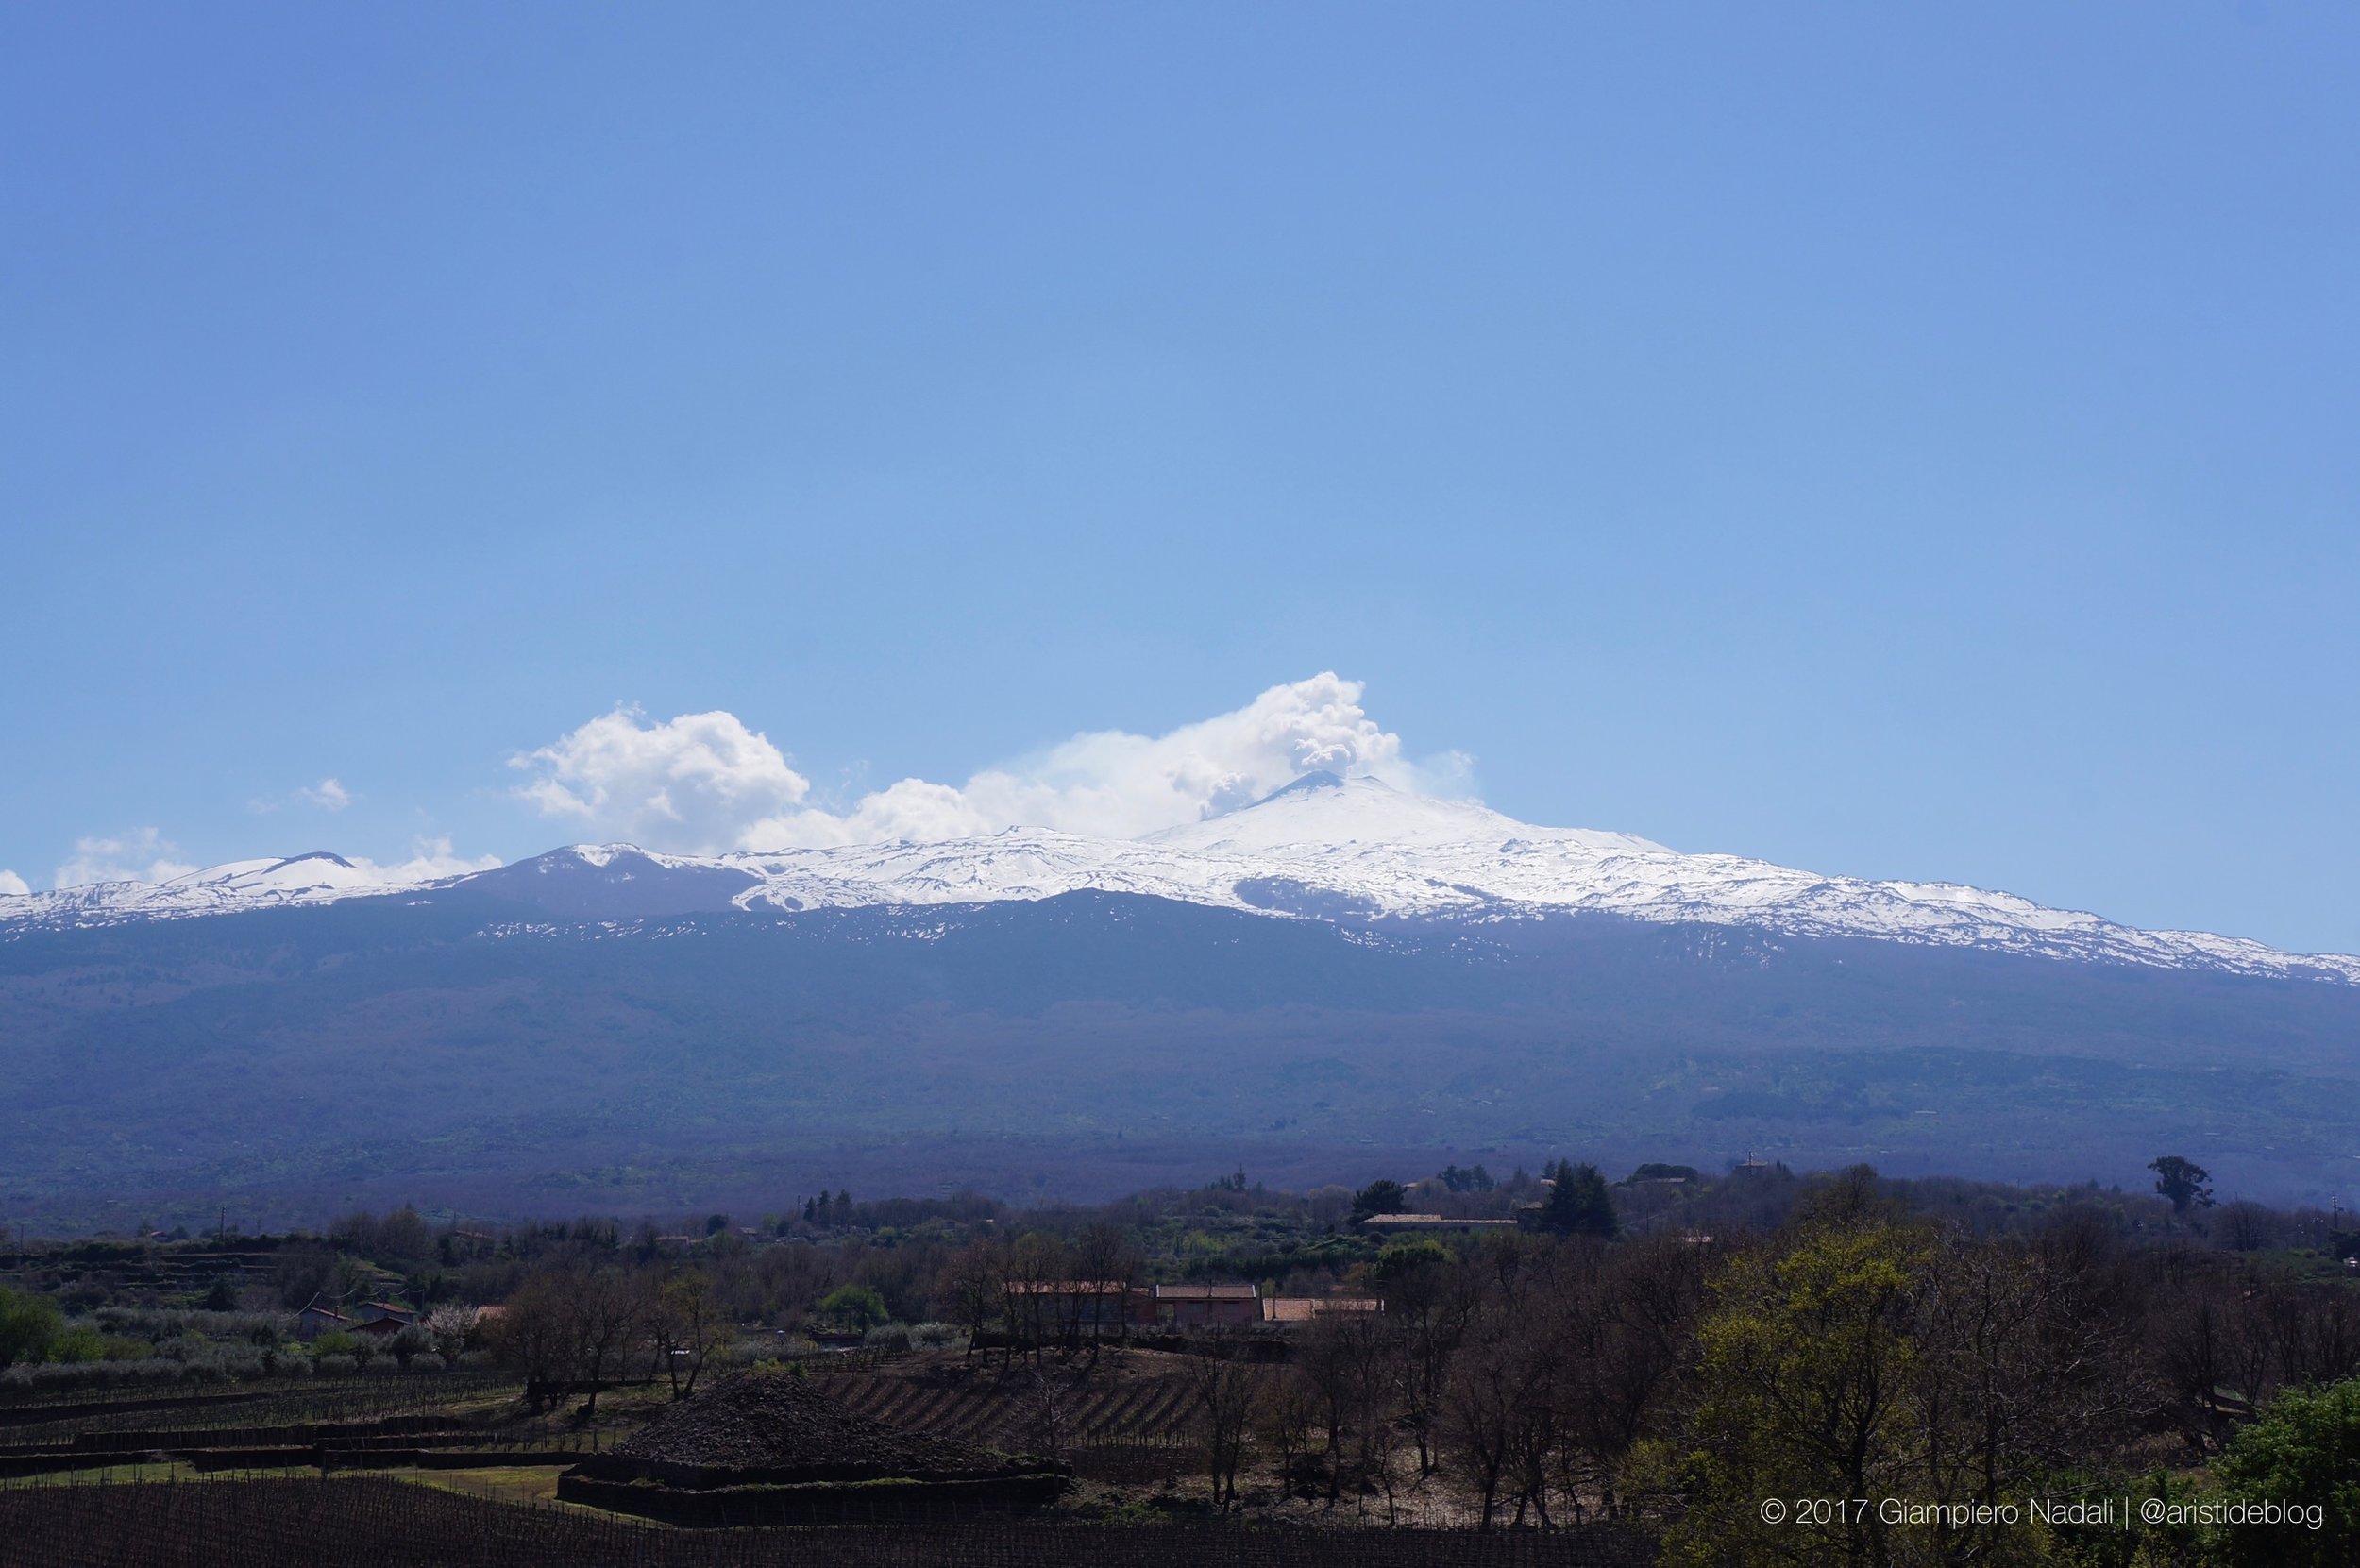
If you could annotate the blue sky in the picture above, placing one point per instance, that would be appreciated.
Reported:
(1901, 441)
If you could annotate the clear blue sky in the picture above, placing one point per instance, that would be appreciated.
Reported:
(1896, 440)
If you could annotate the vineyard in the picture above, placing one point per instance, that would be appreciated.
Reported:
(289, 1403)
(1138, 1397)
(383, 1523)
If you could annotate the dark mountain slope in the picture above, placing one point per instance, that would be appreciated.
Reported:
(476, 1049)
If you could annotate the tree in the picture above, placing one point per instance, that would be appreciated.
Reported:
(1807, 1368)
(1578, 1203)
(609, 1307)
(974, 1285)
(1382, 1196)
(2187, 1184)
(29, 1325)
(856, 1307)
(1052, 1402)
(1284, 1421)
(1102, 1256)
(1495, 1386)
(2304, 1451)
(1431, 1300)
(1227, 1393)
(687, 1328)
(451, 1324)
(571, 1325)
(534, 1334)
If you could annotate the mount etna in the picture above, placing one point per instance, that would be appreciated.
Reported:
(1341, 981)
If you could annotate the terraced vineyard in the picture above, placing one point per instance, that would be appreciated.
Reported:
(309, 1400)
(1130, 1397)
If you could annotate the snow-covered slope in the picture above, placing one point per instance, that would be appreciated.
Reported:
(313, 878)
(1322, 846)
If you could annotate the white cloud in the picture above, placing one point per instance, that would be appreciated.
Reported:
(141, 855)
(328, 794)
(13, 885)
(705, 782)
(430, 859)
(690, 784)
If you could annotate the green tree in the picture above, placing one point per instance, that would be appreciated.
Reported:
(855, 1305)
(2187, 1184)
(2304, 1451)
(29, 1325)
(1805, 1381)
(1382, 1196)
(1578, 1203)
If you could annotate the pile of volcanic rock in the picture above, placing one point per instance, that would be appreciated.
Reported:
(766, 1447)
(777, 1426)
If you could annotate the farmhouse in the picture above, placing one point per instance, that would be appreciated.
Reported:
(1294, 1311)
(317, 1319)
(1208, 1306)
(1071, 1308)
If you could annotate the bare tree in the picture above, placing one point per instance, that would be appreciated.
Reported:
(608, 1305)
(1036, 1263)
(1103, 1255)
(1484, 1408)
(1227, 1389)
(538, 1336)
(974, 1285)
(685, 1327)
(1285, 1420)
(1052, 1411)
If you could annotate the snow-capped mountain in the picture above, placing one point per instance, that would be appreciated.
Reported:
(1321, 848)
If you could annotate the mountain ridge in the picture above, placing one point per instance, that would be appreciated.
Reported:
(1321, 848)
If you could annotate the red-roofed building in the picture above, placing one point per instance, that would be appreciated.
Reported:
(1208, 1306)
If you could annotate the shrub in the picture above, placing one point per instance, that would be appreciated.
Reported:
(856, 1307)
(2303, 1450)
(476, 1360)
(933, 1336)
(335, 1365)
(891, 1338)
(426, 1360)
(82, 1343)
(28, 1323)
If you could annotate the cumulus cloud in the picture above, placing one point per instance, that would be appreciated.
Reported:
(689, 784)
(703, 783)
(430, 859)
(141, 855)
(13, 885)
